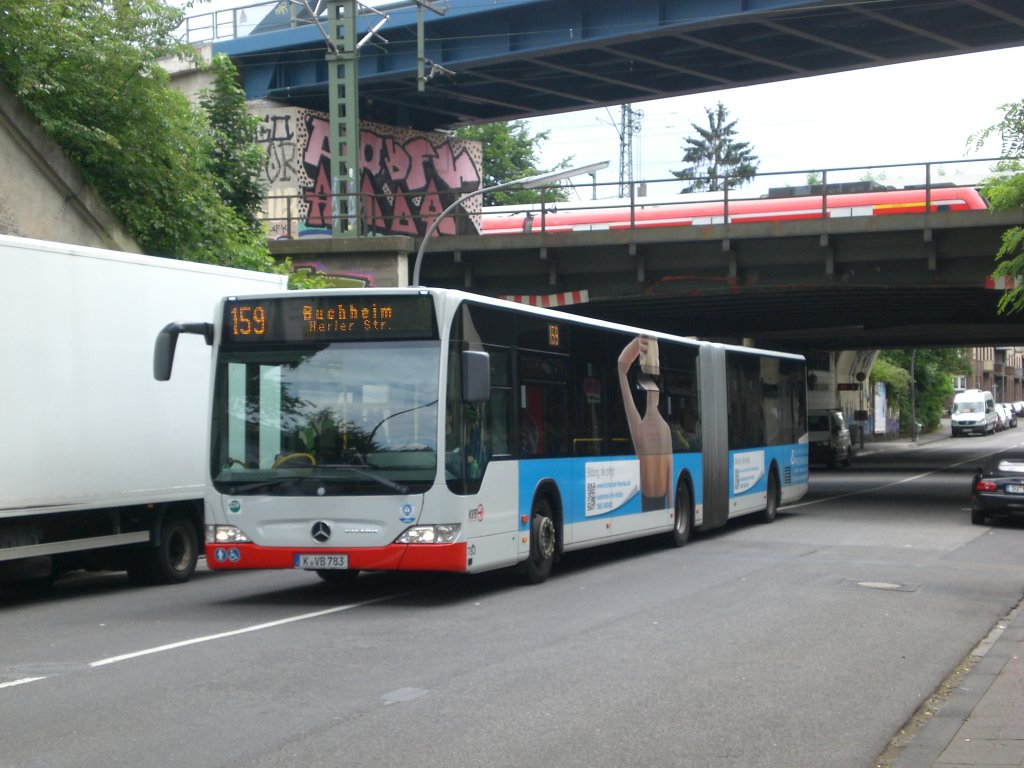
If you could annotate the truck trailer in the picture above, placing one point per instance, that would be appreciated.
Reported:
(101, 467)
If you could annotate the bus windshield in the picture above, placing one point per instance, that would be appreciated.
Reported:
(326, 419)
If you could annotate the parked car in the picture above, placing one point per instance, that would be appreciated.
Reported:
(1011, 416)
(1001, 418)
(998, 488)
(830, 442)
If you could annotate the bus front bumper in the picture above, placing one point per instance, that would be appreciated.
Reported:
(394, 557)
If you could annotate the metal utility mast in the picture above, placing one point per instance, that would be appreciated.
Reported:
(629, 125)
(343, 97)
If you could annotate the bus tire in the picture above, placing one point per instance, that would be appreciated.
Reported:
(772, 500)
(543, 543)
(683, 522)
(173, 560)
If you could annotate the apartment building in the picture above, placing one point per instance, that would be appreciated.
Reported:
(997, 369)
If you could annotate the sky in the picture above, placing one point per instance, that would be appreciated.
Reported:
(917, 112)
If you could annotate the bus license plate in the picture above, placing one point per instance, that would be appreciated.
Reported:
(1014, 488)
(321, 562)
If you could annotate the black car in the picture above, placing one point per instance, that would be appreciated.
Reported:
(998, 488)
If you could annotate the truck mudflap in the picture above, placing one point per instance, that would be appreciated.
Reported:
(394, 557)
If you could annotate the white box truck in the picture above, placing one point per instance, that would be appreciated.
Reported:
(101, 466)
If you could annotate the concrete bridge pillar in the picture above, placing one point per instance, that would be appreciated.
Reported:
(363, 261)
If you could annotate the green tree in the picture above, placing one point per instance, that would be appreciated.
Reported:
(933, 383)
(717, 161)
(89, 72)
(237, 157)
(510, 152)
(1005, 191)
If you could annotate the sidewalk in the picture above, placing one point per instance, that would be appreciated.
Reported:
(981, 723)
(942, 433)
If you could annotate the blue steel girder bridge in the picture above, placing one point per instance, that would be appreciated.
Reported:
(827, 284)
(511, 59)
(904, 280)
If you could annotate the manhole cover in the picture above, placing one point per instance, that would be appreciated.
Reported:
(884, 586)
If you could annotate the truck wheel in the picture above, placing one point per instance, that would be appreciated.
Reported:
(543, 543)
(173, 560)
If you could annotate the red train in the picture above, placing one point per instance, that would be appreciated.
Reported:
(780, 206)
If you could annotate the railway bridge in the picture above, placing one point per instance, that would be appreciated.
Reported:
(919, 279)
(849, 283)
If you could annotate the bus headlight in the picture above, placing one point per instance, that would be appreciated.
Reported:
(225, 534)
(430, 534)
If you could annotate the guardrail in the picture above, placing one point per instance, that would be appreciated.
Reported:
(398, 211)
(230, 23)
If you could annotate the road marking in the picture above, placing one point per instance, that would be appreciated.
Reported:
(861, 491)
(223, 635)
(244, 630)
(23, 680)
(893, 483)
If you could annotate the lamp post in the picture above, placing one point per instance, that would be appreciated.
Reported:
(913, 395)
(528, 182)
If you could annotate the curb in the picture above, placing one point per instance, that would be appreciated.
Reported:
(987, 662)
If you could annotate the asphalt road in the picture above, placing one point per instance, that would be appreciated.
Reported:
(807, 642)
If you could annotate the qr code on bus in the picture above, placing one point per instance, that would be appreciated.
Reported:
(591, 496)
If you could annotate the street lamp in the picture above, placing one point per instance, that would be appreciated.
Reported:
(913, 395)
(529, 182)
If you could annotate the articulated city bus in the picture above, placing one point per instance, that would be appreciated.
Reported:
(424, 429)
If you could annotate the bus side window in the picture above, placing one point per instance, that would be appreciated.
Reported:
(476, 433)
(543, 420)
(528, 436)
(586, 394)
(544, 404)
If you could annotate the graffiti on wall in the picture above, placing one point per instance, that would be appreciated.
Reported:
(406, 178)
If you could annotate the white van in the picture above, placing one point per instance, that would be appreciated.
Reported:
(829, 438)
(974, 410)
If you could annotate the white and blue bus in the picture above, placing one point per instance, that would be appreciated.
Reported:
(423, 429)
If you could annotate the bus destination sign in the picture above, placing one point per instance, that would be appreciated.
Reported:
(328, 319)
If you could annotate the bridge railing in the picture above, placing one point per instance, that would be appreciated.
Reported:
(653, 202)
(266, 16)
(231, 23)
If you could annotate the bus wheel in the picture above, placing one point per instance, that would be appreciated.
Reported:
(543, 540)
(680, 533)
(772, 502)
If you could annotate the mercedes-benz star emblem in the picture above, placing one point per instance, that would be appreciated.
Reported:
(321, 531)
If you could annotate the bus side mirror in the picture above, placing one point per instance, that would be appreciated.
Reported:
(167, 340)
(476, 376)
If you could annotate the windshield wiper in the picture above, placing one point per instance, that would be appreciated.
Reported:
(277, 482)
(397, 487)
(285, 482)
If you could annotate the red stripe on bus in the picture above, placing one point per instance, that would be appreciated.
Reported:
(395, 557)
